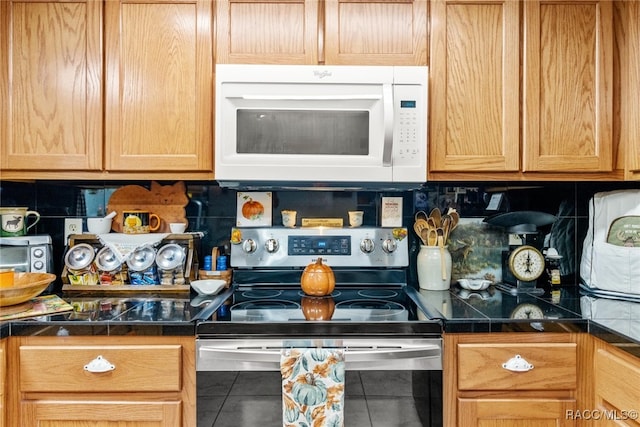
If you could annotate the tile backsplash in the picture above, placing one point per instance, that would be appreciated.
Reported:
(212, 209)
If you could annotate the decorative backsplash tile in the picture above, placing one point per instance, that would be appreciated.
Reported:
(476, 250)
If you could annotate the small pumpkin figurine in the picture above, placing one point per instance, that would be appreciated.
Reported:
(318, 279)
(317, 308)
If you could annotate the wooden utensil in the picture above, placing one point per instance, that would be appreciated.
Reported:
(455, 218)
(432, 237)
(421, 215)
(446, 224)
(425, 235)
(443, 267)
(420, 225)
(437, 216)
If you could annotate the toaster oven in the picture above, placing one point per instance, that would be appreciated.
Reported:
(27, 253)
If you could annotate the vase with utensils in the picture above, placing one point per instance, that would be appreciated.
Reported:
(434, 259)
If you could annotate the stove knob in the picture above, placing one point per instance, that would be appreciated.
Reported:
(271, 246)
(389, 246)
(249, 246)
(367, 246)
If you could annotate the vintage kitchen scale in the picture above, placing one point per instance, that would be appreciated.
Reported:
(523, 263)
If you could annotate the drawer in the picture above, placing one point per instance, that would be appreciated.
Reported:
(480, 366)
(135, 368)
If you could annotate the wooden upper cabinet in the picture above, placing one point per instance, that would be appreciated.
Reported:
(474, 87)
(159, 85)
(540, 103)
(627, 27)
(568, 86)
(267, 31)
(50, 85)
(375, 33)
(308, 32)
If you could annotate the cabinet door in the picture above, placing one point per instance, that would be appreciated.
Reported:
(515, 412)
(267, 32)
(159, 85)
(474, 108)
(617, 387)
(61, 413)
(628, 43)
(365, 32)
(568, 86)
(50, 85)
(3, 382)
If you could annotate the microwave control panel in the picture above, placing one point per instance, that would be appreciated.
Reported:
(409, 135)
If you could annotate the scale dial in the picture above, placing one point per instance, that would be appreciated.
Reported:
(526, 263)
(527, 311)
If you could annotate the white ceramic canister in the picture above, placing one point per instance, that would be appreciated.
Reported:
(434, 271)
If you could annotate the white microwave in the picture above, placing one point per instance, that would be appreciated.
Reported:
(321, 124)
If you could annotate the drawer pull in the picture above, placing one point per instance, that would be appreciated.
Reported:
(517, 364)
(99, 364)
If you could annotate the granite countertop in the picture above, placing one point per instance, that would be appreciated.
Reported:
(493, 310)
(111, 314)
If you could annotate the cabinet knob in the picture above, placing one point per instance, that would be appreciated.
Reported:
(517, 364)
(99, 364)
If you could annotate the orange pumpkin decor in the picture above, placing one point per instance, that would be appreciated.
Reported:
(252, 209)
(318, 279)
(317, 308)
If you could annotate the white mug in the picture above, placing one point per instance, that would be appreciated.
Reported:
(13, 221)
(355, 218)
(177, 227)
(289, 218)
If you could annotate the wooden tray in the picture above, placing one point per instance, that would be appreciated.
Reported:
(127, 288)
(166, 201)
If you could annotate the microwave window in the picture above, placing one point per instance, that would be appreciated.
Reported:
(313, 132)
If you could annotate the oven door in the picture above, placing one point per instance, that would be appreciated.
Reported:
(388, 381)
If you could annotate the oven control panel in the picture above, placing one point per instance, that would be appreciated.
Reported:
(317, 245)
(338, 247)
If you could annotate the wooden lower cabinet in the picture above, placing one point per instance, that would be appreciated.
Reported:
(492, 412)
(541, 389)
(105, 381)
(3, 375)
(616, 388)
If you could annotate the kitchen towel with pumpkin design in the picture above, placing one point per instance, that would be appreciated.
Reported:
(312, 387)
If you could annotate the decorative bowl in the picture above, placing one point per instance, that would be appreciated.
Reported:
(99, 225)
(208, 286)
(474, 284)
(25, 287)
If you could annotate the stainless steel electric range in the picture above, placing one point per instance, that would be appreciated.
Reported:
(372, 315)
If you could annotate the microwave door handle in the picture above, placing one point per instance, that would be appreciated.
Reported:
(387, 148)
(307, 97)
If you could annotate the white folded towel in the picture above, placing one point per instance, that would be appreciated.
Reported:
(122, 245)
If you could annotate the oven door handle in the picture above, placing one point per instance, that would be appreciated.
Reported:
(369, 355)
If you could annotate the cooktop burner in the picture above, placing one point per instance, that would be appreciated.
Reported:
(348, 305)
(269, 304)
(261, 293)
(378, 293)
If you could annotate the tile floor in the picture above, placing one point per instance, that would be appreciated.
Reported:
(372, 399)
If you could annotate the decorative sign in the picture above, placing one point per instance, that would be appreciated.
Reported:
(392, 212)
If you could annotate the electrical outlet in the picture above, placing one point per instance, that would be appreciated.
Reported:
(72, 226)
